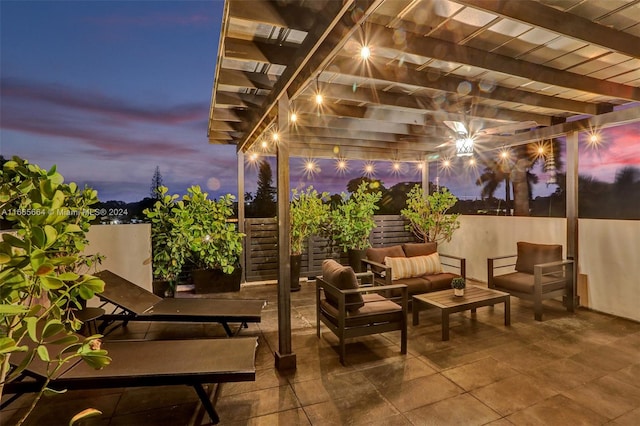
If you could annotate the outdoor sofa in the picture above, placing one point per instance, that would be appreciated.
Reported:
(417, 265)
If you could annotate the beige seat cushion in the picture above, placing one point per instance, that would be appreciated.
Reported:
(376, 309)
(343, 278)
(530, 254)
(419, 249)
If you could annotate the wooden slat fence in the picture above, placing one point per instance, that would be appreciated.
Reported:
(261, 254)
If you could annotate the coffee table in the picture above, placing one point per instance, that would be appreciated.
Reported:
(473, 298)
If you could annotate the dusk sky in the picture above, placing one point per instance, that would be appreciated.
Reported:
(108, 90)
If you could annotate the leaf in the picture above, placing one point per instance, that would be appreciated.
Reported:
(66, 340)
(51, 283)
(6, 309)
(52, 328)
(32, 323)
(44, 269)
(43, 353)
(85, 414)
(15, 241)
(72, 227)
(51, 392)
(51, 233)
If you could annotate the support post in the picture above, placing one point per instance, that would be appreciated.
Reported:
(572, 300)
(241, 214)
(285, 359)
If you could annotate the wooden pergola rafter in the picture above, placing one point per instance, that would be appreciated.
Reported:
(513, 71)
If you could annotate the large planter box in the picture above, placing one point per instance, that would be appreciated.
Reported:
(216, 281)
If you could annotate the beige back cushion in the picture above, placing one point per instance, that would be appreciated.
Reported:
(416, 266)
(419, 249)
(343, 278)
(530, 254)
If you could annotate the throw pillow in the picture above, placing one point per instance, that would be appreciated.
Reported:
(343, 278)
(417, 266)
(530, 254)
(419, 249)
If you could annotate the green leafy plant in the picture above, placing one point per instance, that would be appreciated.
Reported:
(308, 213)
(458, 283)
(41, 265)
(428, 216)
(169, 241)
(351, 220)
(214, 240)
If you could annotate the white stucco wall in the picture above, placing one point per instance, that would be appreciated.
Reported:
(608, 252)
(127, 249)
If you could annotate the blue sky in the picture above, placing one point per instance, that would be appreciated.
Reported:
(108, 90)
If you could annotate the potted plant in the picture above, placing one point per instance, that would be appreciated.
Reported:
(41, 271)
(214, 241)
(169, 243)
(458, 284)
(308, 212)
(428, 216)
(352, 222)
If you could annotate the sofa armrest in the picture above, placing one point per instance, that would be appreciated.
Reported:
(381, 272)
(461, 265)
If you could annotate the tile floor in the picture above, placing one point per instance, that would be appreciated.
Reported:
(570, 369)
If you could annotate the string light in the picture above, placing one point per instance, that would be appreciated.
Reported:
(369, 169)
(341, 165)
(310, 168)
(319, 99)
(293, 117)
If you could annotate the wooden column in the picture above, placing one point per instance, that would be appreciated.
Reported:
(285, 359)
(572, 299)
(241, 213)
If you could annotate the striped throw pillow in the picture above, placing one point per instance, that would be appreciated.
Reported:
(417, 266)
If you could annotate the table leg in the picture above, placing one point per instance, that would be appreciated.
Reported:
(416, 312)
(445, 325)
(507, 310)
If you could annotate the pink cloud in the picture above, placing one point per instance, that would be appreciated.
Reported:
(98, 103)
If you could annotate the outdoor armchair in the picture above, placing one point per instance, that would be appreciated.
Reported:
(350, 310)
(540, 273)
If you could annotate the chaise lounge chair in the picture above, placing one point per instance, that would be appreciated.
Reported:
(151, 363)
(133, 303)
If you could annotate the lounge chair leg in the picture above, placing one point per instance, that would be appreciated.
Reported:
(206, 403)
(342, 350)
(227, 329)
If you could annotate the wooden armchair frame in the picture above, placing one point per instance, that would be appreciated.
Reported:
(550, 280)
(379, 322)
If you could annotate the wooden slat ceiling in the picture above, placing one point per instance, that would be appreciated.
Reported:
(508, 69)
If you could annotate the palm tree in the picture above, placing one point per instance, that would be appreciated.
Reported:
(494, 173)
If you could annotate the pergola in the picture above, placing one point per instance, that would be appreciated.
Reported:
(510, 71)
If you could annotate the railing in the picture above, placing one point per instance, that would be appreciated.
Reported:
(261, 254)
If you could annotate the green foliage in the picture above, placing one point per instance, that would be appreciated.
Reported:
(214, 241)
(428, 215)
(458, 283)
(169, 243)
(40, 269)
(308, 212)
(351, 220)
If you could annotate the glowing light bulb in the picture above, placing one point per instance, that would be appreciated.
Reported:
(264, 144)
(342, 164)
(472, 162)
(593, 139)
(446, 163)
(540, 150)
(275, 136)
(504, 154)
(365, 52)
(319, 99)
(396, 166)
(253, 156)
(294, 117)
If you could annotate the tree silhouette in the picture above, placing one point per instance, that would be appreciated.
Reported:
(264, 203)
(494, 173)
(156, 183)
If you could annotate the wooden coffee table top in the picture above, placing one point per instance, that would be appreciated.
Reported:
(472, 294)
